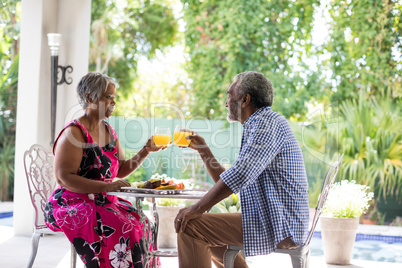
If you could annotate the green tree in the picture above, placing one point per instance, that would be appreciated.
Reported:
(368, 132)
(9, 48)
(224, 38)
(365, 40)
(122, 32)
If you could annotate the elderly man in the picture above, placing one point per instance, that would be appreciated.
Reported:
(269, 174)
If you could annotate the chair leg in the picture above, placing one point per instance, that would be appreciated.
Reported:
(73, 257)
(300, 261)
(35, 242)
(307, 260)
(229, 257)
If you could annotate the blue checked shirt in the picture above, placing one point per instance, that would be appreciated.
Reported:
(270, 176)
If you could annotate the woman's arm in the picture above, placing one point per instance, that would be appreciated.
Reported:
(130, 165)
(68, 156)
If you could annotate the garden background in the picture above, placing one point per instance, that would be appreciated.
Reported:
(336, 68)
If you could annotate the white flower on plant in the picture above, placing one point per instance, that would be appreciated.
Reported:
(347, 199)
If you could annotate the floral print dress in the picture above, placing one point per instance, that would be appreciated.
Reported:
(104, 229)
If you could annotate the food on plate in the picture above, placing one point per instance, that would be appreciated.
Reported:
(159, 182)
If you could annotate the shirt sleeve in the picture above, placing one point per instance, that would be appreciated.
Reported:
(262, 144)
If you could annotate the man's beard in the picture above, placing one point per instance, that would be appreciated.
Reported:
(234, 112)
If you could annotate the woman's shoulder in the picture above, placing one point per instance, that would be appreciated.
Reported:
(111, 129)
(73, 132)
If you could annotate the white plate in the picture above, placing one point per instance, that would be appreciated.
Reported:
(152, 191)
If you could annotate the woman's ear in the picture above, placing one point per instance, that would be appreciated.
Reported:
(89, 99)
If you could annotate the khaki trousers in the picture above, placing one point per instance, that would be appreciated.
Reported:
(206, 238)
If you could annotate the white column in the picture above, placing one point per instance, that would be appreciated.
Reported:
(71, 18)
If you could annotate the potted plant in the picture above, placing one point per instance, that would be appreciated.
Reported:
(231, 204)
(372, 215)
(346, 202)
(167, 210)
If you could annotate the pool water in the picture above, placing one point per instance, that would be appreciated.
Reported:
(389, 250)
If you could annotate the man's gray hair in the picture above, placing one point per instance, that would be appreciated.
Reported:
(258, 86)
(94, 84)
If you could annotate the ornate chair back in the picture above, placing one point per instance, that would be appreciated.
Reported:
(38, 163)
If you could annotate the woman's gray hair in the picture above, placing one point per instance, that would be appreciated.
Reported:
(94, 84)
(257, 85)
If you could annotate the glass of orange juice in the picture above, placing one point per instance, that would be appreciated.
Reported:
(162, 136)
(179, 136)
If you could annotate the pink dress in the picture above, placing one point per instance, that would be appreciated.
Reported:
(104, 229)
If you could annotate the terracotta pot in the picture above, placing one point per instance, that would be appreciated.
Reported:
(369, 222)
(338, 238)
(167, 237)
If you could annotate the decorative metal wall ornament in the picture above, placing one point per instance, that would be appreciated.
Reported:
(54, 41)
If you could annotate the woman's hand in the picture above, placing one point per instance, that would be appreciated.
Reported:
(151, 147)
(116, 185)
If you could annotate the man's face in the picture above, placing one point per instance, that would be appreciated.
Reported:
(233, 103)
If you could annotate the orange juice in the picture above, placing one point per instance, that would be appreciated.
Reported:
(179, 138)
(162, 140)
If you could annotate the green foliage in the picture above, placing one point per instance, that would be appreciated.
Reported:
(124, 31)
(370, 135)
(9, 47)
(8, 106)
(229, 205)
(7, 153)
(368, 132)
(138, 174)
(363, 35)
(168, 202)
(224, 38)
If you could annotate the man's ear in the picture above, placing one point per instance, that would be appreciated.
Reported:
(246, 100)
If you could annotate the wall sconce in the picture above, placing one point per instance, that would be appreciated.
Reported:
(54, 41)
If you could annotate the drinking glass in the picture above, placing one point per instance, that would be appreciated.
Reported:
(179, 136)
(162, 136)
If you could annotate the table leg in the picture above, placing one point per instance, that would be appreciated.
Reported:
(146, 231)
(156, 228)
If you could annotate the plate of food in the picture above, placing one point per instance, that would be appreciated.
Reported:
(151, 191)
(158, 184)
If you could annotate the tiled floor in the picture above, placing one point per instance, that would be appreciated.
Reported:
(54, 252)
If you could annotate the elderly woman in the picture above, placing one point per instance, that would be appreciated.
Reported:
(104, 229)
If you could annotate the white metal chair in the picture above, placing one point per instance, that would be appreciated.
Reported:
(38, 163)
(299, 256)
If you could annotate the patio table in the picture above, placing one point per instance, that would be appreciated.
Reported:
(148, 226)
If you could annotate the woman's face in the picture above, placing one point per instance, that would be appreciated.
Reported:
(106, 102)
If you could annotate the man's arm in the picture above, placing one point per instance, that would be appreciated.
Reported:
(214, 168)
(218, 192)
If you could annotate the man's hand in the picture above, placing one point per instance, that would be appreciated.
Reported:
(184, 215)
(196, 141)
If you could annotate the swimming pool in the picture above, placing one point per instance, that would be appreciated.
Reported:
(367, 247)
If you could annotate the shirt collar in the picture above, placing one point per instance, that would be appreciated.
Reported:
(255, 115)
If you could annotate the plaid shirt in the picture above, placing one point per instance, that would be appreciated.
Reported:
(270, 176)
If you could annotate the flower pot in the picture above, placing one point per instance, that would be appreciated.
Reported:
(369, 221)
(338, 238)
(167, 237)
